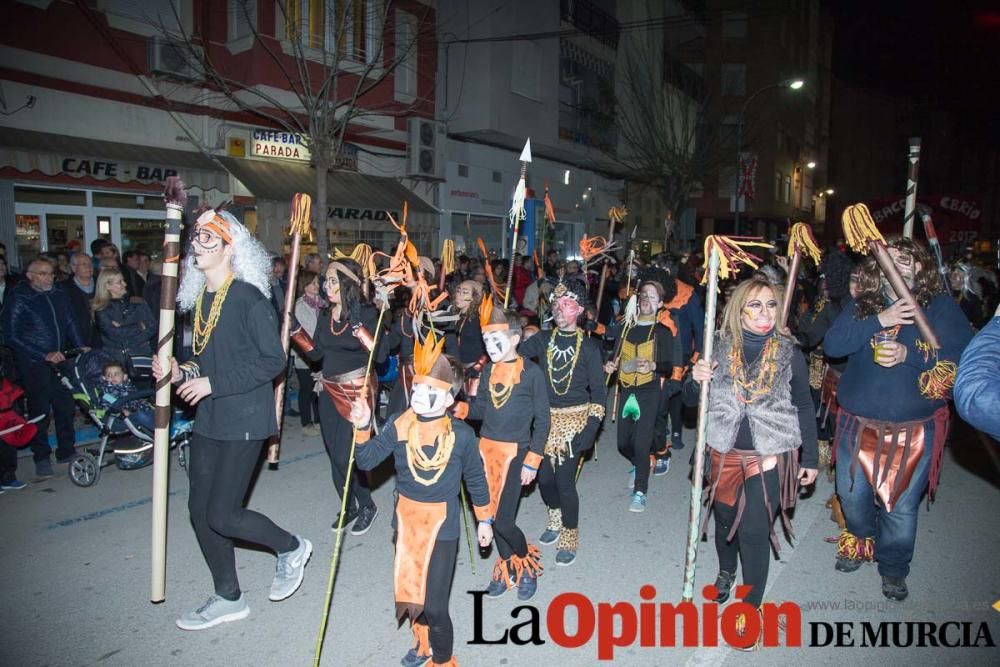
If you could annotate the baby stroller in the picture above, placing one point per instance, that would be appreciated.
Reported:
(127, 443)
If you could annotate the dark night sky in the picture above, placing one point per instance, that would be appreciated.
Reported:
(945, 52)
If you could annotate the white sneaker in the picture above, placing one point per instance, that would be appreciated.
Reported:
(214, 612)
(289, 570)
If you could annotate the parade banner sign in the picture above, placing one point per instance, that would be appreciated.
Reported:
(957, 218)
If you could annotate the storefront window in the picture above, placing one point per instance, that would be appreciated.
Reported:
(136, 201)
(465, 229)
(50, 196)
(29, 237)
(142, 234)
(61, 229)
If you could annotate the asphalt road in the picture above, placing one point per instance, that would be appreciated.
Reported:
(75, 570)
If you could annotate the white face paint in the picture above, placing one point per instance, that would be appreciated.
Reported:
(500, 345)
(429, 401)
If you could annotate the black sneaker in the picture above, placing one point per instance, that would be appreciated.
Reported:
(676, 442)
(724, 584)
(848, 565)
(366, 515)
(352, 514)
(894, 588)
(414, 659)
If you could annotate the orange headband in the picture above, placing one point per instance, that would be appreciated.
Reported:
(213, 222)
(432, 381)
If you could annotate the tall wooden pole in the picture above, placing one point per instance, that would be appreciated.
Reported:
(912, 171)
(301, 207)
(175, 199)
(694, 517)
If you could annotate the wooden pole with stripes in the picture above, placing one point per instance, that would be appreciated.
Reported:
(176, 198)
(912, 171)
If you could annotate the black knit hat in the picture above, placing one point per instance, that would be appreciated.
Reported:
(573, 288)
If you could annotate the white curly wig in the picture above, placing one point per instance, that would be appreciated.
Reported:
(250, 263)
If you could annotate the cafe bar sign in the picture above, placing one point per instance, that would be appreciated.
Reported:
(278, 144)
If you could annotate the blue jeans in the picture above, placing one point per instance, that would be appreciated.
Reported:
(895, 532)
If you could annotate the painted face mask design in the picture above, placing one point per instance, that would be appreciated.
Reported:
(567, 311)
(426, 399)
(498, 344)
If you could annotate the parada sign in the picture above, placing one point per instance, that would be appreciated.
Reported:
(278, 144)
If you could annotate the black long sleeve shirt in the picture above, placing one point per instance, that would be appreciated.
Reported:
(464, 463)
(524, 419)
(242, 358)
(587, 382)
(335, 343)
(400, 336)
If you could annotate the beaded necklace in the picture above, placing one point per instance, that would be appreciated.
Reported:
(203, 329)
(761, 385)
(416, 459)
(502, 376)
(337, 332)
(552, 353)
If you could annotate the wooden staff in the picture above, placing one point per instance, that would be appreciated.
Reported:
(800, 240)
(864, 237)
(694, 517)
(301, 207)
(722, 254)
(912, 171)
(617, 214)
(924, 212)
(331, 578)
(175, 198)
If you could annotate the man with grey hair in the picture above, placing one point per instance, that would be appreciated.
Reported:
(39, 325)
(79, 288)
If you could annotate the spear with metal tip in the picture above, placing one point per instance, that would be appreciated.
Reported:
(517, 214)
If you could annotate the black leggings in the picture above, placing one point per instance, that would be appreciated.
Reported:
(509, 538)
(635, 437)
(220, 473)
(308, 400)
(439, 575)
(671, 409)
(338, 433)
(558, 487)
(752, 540)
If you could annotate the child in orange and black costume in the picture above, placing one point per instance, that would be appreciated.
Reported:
(433, 454)
(513, 404)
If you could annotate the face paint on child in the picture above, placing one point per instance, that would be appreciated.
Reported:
(429, 401)
(499, 345)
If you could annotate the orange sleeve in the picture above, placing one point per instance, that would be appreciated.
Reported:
(460, 409)
(482, 513)
(362, 435)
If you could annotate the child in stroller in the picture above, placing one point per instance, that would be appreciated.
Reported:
(129, 431)
(118, 392)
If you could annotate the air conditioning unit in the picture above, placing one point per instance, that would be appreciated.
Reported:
(425, 150)
(178, 60)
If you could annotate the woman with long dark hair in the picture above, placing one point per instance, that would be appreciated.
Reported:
(468, 344)
(343, 340)
(760, 412)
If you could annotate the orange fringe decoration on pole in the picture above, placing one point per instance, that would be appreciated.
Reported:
(498, 293)
(937, 383)
(732, 252)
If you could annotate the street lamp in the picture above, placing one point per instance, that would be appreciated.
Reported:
(829, 191)
(791, 84)
(811, 164)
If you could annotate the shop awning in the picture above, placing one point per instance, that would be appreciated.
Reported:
(61, 155)
(278, 181)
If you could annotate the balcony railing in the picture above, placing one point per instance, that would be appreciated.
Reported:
(591, 20)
